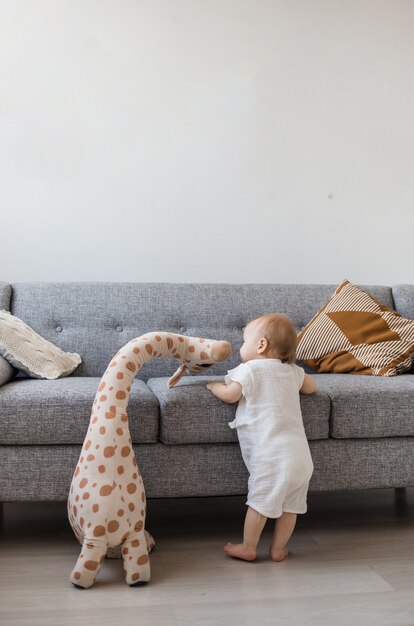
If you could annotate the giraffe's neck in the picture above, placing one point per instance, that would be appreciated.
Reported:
(111, 400)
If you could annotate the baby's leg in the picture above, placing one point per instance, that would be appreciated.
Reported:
(253, 527)
(284, 527)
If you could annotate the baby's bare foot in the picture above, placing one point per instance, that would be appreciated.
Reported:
(239, 551)
(278, 554)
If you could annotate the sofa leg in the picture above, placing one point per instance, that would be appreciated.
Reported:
(400, 500)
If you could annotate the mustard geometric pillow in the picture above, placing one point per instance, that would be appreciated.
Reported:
(355, 333)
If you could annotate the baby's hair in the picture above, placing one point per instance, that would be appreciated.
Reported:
(281, 336)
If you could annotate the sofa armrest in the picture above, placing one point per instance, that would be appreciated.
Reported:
(7, 371)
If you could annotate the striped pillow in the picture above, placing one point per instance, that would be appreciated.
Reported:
(354, 333)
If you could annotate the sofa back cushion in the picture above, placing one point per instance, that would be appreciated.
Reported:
(97, 319)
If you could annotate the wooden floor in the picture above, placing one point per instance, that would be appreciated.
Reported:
(351, 564)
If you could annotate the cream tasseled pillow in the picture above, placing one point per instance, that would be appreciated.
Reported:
(28, 351)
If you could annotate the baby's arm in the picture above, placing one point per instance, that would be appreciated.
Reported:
(309, 385)
(228, 393)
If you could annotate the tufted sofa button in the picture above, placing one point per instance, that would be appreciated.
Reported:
(119, 329)
(59, 329)
(182, 329)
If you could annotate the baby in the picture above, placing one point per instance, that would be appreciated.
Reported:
(270, 431)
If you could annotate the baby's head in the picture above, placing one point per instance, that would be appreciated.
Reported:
(270, 336)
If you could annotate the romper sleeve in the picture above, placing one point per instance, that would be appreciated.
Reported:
(300, 375)
(242, 375)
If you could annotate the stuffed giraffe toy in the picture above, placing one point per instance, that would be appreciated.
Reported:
(106, 504)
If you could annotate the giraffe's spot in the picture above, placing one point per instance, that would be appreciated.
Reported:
(155, 353)
(157, 338)
(131, 506)
(91, 565)
(83, 482)
(111, 413)
(191, 349)
(105, 490)
(120, 376)
(119, 431)
(143, 496)
(88, 444)
(77, 498)
(77, 470)
(101, 386)
(75, 510)
(181, 339)
(101, 468)
(148, 348)
(97, 447)
(77, 575)
(143, 559)
(136, 350)
(95, 508)
(125, 451)
(86, 495)
(170, 343)
(124, 417)
(120, 512)
(98, 531)
(95, 419)
(102, 430)
(109, 451)
(90, 457)
(139, 525)
(202, 340)
(128, 388)
(134, 475)
(134, 462)
(131, 488)
(131, 366)
(142, 512)
(125, 551)
(135, 543)
(203, 356)
(120, 469)
(121, 395)
(135, 576)
(81, 522)
(113, 363)
(102, 398)
(113, 526)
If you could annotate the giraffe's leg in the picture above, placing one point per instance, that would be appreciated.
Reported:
(89, 562)
(150, 541)
(136, 559)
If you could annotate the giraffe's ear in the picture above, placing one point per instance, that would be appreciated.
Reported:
(176, 376)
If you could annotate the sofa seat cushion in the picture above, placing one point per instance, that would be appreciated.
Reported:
(189, 413)
(369, 406)
(58, 411)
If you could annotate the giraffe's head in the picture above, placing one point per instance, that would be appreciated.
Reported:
(198, 355)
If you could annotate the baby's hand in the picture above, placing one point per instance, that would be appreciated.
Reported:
(210, 386)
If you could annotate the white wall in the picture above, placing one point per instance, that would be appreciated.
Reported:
(218, 140)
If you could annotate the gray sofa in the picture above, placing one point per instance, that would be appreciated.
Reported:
(360, 428)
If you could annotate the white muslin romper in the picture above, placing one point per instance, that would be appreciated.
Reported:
(271, 435)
